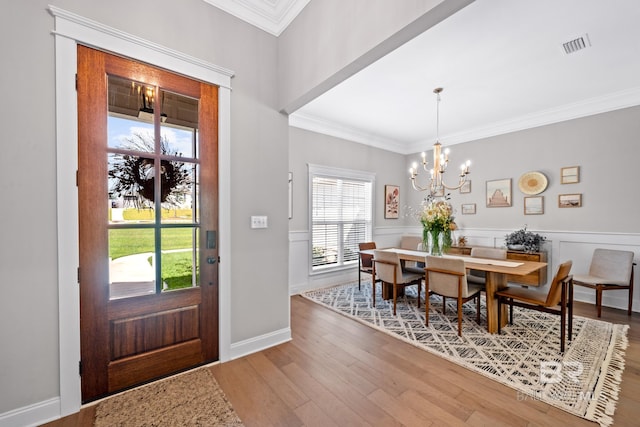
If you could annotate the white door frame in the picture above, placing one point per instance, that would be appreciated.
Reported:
(71, 30)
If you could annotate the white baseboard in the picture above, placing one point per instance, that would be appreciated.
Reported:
(32, 415)
(262, 342)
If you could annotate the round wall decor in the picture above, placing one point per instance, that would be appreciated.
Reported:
(532, 183)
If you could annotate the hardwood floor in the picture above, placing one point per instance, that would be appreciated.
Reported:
(339, 372)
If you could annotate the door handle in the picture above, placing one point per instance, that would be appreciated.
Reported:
(211, 260)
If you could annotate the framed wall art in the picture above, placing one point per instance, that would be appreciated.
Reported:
(391, 201)
(534, 205)
(499, 193)
(468, 209)
(569, 200)
(570, 175)
(466, 187)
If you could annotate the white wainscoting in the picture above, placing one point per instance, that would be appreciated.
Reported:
(299, 246)
(560, 246)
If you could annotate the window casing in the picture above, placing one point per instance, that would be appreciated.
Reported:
(341, 216)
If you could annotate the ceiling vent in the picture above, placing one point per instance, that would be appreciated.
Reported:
(576, 44)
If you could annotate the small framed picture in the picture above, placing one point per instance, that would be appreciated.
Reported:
(439, 192)
(468, 209)
(534, 205)
(391, 201)
(570, 175)
(499, 193)
(569, 200)
(466, 187)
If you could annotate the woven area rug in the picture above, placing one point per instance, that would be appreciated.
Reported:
(190, 399)
(583, 381)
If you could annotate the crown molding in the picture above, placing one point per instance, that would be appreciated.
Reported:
(588, 107)
(318, 125)
(576, 110)
(272, 16)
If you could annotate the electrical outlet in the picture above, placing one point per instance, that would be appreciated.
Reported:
(258, 222)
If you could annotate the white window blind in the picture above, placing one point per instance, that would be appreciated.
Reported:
(341, 216)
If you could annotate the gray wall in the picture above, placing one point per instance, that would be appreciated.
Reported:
(309, 147)
(606, 148)
(29, 363)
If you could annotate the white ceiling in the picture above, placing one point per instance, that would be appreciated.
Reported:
(502, 66)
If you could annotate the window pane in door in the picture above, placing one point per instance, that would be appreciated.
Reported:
(130, 121)
(131, 182)
(180, 192)
(179, 124)
(131, 266)
(180, 260)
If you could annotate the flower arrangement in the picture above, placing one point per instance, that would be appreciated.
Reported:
(437, 215)
(522, 239)
(437, 218)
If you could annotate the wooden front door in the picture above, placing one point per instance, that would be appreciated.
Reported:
(148, 247)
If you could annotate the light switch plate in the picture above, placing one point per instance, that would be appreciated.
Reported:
(258, 221)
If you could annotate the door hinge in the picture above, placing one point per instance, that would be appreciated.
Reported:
(76, 82)
(80, 367)
(76, 178)
(78, 274)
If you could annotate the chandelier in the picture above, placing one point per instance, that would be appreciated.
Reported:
(436, 185)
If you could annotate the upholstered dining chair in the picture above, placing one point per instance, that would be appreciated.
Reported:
(480, 277)
(559, 292)
(412, 243)
(609, 270)
(389, 270)
(366, 264)
(447, 277)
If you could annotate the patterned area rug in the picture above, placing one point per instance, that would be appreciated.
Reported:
(583, 381)
(190, 399)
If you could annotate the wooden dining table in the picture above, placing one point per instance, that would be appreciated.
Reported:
(496, 277)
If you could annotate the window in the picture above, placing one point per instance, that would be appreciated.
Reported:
(341, 215)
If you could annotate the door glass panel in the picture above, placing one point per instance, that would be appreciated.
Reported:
(143, 145)
(130, 122)
(131, 187)
(179, 119)
(180, 260)
(131, 266)
(180, 184)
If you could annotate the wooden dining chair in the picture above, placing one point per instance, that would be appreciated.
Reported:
(560, 292)
(447, 277)
(389, 270)
(609, 270)
(366, 263)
